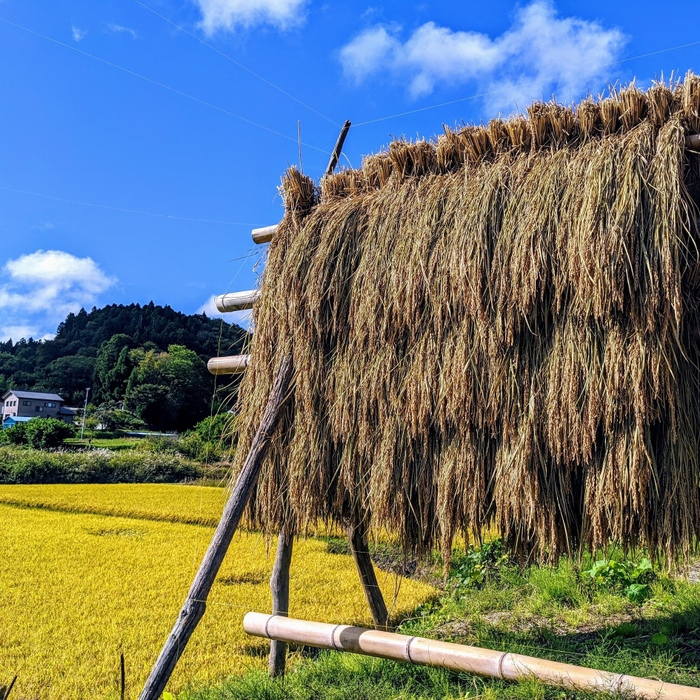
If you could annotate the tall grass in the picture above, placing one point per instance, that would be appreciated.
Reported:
(28, 466)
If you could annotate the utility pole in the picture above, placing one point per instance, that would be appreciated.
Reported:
(82, 431)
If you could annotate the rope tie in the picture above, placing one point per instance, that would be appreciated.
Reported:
(500, 664)
(408, 650)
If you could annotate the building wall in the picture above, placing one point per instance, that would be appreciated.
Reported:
(31, 408)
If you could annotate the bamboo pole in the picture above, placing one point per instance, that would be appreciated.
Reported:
(279, 587)
(458, 657)
(196, 602)
(237, 301)
(264, 234)
(359, 547)
(233, 364)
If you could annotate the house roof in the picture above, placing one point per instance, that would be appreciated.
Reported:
(32, 395)
(67, 411)
(18, 419)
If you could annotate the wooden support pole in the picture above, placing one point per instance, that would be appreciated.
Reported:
(237, 301)
(233, 364)
(279, 587)
(335, 155)
(196, 602)
(266, 233)
(357, 535)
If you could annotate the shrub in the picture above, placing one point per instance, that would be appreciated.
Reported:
(16, 435)
(47, 433)
(209, 439)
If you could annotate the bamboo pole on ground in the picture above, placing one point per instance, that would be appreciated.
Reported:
(458, 657)
(279, 587)
(357, 535)
(196, 602)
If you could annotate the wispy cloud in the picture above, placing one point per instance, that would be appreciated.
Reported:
(241, 318)
(39, 289)
(540, 54)
(228, 15)
(119, 29)
(78, 34)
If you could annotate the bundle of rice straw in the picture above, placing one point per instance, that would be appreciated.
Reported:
(499, 328)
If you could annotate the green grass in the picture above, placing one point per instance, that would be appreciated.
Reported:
(549, 612)
(116, 444)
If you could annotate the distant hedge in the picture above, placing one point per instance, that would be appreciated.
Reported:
(27, 466)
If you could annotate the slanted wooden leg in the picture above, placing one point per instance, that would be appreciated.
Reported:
(279, 586)
(360, 552)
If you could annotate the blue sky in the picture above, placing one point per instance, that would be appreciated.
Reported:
(196, 118)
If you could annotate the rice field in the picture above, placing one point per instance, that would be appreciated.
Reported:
(88, 572)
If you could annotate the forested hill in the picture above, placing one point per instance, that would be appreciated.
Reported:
(89, 345)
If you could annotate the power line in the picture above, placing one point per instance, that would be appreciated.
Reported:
(159, 84)
(235, 62)
(127, 211)
(520, 84)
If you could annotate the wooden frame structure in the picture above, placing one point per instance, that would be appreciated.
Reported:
(195, 603)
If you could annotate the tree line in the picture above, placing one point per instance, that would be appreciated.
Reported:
(146, 365)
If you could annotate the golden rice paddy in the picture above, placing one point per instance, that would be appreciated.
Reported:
(80, 586)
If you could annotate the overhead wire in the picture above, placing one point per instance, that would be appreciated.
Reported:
(236, 62)
(127, 211)
(159, 84)
(522, 83)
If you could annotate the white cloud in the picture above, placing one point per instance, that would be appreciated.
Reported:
(39, 289)
(241, 318)
(21, 331)
(230, 14)
(540, 54)
(119, 29)
(78, 34)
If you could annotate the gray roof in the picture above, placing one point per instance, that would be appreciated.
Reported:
(67, 411)
(32, 395)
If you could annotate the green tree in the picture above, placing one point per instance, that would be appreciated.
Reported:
(69, 376)
(169, 390)
(113, 366)
(47, 433)
(16, 435)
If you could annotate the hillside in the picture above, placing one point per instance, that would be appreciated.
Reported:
(104, 347)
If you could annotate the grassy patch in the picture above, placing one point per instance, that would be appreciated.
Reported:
(115, 444)
(78, 589)
(553, 612)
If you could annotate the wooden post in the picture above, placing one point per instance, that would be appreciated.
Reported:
(279, 586)
(357, 535)
(338, 148)
(196, 601)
